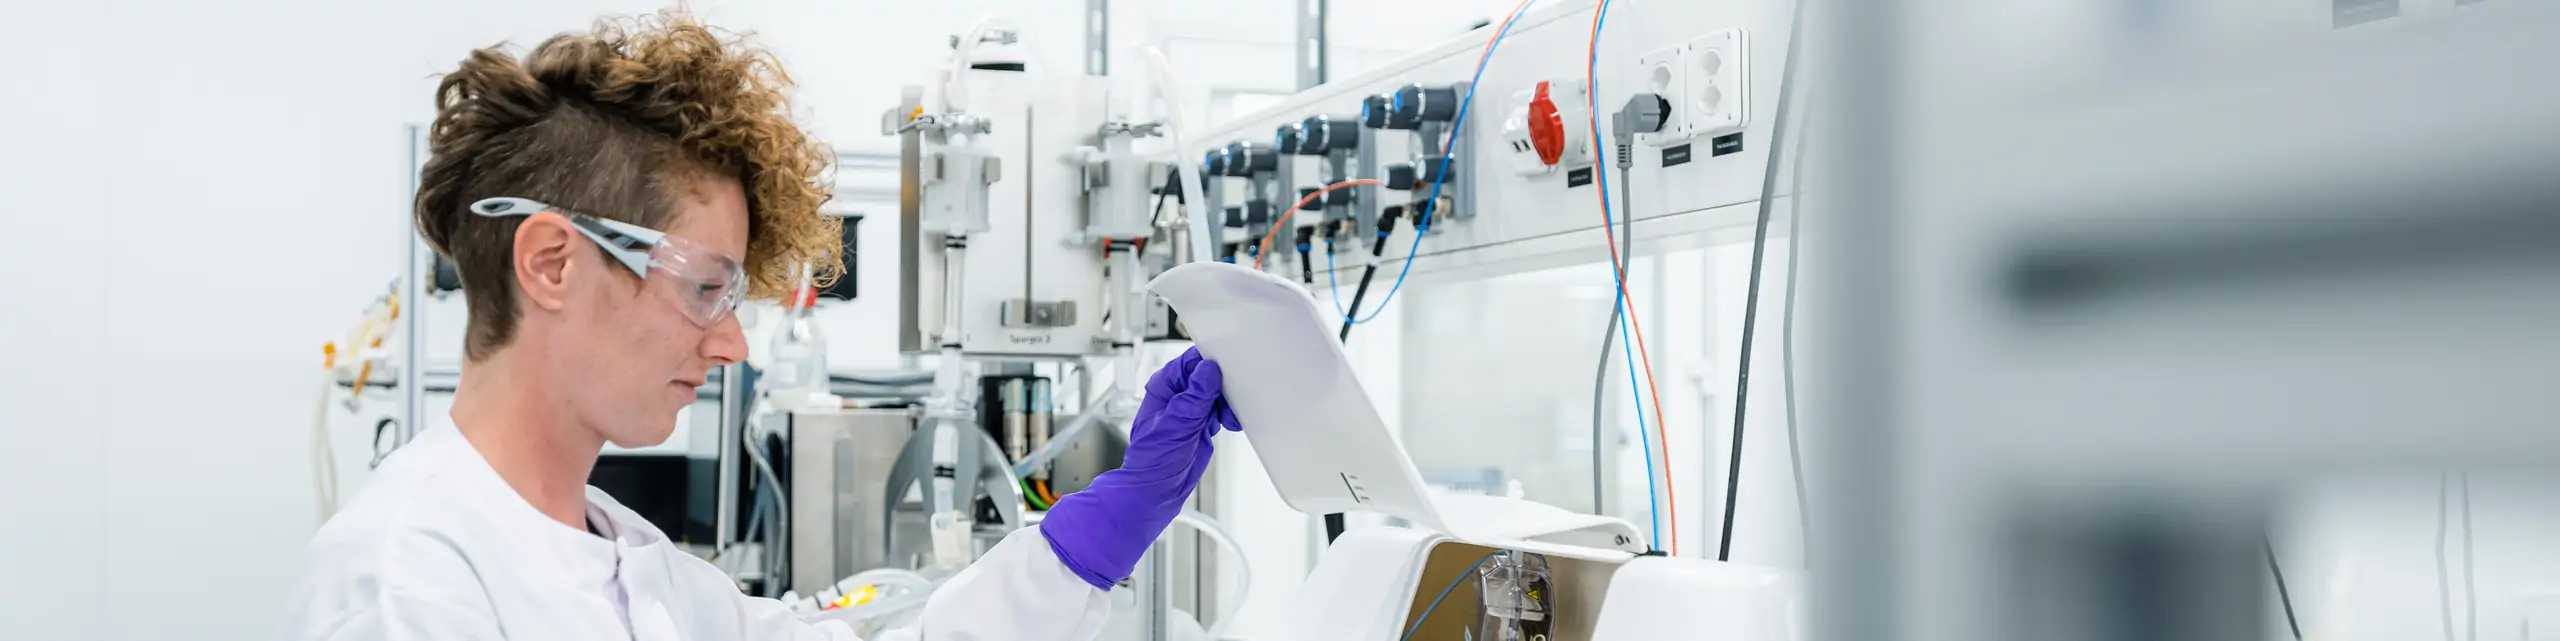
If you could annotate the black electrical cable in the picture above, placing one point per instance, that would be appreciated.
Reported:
(1366, 274)
(1386, 229)
(2283, 594)
(1333, 523)
(1751, 300)
(1306, 255)
(1172, 185)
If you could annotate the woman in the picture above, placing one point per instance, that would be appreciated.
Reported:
(609, 199)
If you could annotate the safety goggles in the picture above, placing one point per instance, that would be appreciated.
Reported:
(708, 284)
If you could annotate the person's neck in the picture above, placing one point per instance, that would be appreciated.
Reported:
(514, 418)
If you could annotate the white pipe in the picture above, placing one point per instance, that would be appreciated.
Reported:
(949, 385)
(776, 556)
(1133, 329)
(1185, 160)
(946, 381)
(417, 269)
(324, 454)
(955, 95)
(1244, 571)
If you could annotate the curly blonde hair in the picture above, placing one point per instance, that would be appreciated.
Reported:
(614, 122)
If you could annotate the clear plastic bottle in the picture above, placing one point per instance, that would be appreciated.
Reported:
(1514, 599)
(799, 373)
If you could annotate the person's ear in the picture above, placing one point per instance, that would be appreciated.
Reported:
(545, 243)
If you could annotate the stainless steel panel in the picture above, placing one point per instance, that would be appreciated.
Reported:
(732, 432)
(839, 463)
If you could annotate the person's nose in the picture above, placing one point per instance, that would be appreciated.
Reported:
(726, 343)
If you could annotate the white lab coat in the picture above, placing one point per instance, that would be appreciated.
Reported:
(437, 546)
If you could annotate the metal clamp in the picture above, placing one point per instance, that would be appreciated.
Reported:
(1027, 313)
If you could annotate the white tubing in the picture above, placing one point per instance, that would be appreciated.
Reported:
(899, 592)
(1244, 571)
(886, 577)
(860, 616)
(764, 467)
(1168, 90)
(324, 455)
(1185, 160)
(1133, 332)
(955, 88)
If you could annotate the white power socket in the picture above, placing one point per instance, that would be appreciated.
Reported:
(1707, 81)
(1665, 76)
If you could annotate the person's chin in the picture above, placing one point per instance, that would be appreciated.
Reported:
(643, 436)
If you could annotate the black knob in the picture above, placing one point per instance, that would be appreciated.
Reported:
(1376, 112)
(1257, 213)
(1234, 218)
(1330, 133)
(1434, 170)
(1311, 201)
(1215, 163)
(1419, 104)
(1290, 139)
(1245, 159)
(1400, 177)
(1228, 164)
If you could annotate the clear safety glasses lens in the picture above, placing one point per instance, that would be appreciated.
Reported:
(706, 284)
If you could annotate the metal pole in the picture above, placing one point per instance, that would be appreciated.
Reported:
(733, 423)
(1205, 554)
(1312, 54)
(1155, 594)
(413, 296)
(1097, 37)
(1856, 588)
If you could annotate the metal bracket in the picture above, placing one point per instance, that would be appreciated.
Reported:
(1097, 37)
(1312, 50)
(1027, 313)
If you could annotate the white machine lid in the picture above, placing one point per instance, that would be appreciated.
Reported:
(1315, 429)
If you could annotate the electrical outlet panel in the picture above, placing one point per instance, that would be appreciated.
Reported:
(1545, 129)
(1717, 101)
(1665, 76)
(1707, 81)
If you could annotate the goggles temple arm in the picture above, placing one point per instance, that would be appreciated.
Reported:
(626, 243)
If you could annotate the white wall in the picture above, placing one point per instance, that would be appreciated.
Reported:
(2359, 553)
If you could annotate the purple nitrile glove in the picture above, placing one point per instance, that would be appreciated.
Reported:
(1100, 532)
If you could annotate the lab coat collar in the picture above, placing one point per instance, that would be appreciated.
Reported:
(576, 553)
(646, 573)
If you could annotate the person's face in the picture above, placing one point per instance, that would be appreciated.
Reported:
(643, 355)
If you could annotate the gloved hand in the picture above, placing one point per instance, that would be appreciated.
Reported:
(1100, 532)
